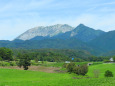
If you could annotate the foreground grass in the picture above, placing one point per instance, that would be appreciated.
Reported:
(13, 77)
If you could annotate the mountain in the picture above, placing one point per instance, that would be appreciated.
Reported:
(82, 33)
(59, 31)
(105, 42)
(58, 36)
(85, 33)
(42, 31)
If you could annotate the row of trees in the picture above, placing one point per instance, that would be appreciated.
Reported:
(62, 54)
(46, 56)
(50, 55)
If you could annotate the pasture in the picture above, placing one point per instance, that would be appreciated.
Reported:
(16, 77)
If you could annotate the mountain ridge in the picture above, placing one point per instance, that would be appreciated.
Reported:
(44, 31)
(62, 31)
(82, 37)
(82, 33)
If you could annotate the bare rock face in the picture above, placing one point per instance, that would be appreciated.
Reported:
(45, 31)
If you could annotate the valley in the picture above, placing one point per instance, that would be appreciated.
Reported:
(38, 57)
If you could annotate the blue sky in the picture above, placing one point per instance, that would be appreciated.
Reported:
(17, 16)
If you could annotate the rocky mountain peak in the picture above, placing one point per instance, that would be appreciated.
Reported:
(45, 31)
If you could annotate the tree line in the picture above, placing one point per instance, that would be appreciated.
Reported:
(51, 55)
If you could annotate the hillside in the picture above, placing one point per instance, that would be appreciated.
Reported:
(82, 33)
(105, 42)
(51, 43)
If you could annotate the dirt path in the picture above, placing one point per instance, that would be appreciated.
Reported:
(36, 68)
(44, 69)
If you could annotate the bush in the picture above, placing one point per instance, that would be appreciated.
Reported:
(4, 63)
(33, 62)
(108, 73)
(12, 63)
(81, 70)
(65, 65)
(70, 67)
(76, 70)
(105, 61)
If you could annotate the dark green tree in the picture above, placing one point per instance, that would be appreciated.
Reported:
(24, 61)
(81, 70)
(108, 73)
(6, 54)
(70, 67)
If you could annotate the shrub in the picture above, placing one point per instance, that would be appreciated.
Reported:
(105, 61)
(33, 62)
(4, 63)
(81, 70)
(76, 70)
(65, 65)
(70, 67)
(108, 73)
(12, 63)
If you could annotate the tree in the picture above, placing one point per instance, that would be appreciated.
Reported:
(70, 67)
(6, 54)
(84, 69)
(24, 61)
(108, 73)
(81, 70)
(76, 70)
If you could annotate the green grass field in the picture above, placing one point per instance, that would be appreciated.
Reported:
(13, 77)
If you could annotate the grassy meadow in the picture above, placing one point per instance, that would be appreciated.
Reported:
(15, 77)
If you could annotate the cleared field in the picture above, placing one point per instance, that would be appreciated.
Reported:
(15, 77)
(35, 68)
